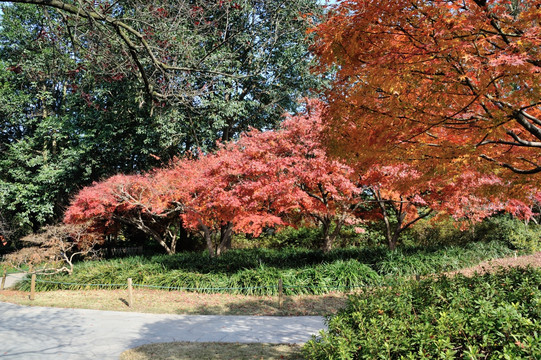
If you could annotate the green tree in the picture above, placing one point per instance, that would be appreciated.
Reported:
(62, 127)
(81, 99)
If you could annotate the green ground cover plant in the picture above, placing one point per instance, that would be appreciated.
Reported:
(257, 271)
(490, 316)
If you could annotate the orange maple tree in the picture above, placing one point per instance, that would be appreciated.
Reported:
(438, 84)
(401, 195)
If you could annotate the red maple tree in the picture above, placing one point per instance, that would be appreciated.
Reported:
(308, 183)
(140, 201)
(264, 179)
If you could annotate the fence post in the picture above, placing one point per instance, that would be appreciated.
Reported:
(130, 293)
(280, 292)
(4, 280)
(33, 287)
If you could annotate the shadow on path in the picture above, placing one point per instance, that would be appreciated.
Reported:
(217, 351)
(50, 333)
(39, 333)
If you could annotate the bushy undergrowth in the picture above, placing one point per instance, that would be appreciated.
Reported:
(515, 232)
(493, 316)
(257, 271)
(410, 261)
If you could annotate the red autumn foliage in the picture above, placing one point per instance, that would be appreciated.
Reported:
(311, 184)
(134, 200)
(265, 179)
(405, 195)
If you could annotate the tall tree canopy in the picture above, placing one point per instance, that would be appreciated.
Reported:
(89, 89)
(224, 64)
(61, 127)
(436, 83)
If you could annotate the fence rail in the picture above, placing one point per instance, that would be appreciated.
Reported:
(276, 286)
(280, 289)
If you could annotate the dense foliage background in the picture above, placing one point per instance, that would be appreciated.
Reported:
(72, 111)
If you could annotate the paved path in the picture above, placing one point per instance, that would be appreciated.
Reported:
(12, 279)
(59, 334)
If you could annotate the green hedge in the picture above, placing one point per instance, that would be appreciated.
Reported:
(503, 227)
(493, 316)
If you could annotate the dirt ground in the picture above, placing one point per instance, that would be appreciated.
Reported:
(179, 302)
(492, 265)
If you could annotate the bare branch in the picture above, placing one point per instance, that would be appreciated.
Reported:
(534, 170)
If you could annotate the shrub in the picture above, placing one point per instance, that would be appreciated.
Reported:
(302, 237)
(516, 233)
(444, 232)
(54, 249)
(493, 316)
(500, 228)
(308, 238)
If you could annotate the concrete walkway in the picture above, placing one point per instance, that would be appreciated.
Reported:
(52, 333)
(12, 279)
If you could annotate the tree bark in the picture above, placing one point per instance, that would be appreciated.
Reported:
(391, 234)
(393, 239)
(327, 238)
(330, 237)
(226, 233)
(208, 239)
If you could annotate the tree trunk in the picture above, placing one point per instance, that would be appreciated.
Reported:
(173, 232)
(391, 234)
(208, 240)
(328, 238)
(226, 234)
(393, 240)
